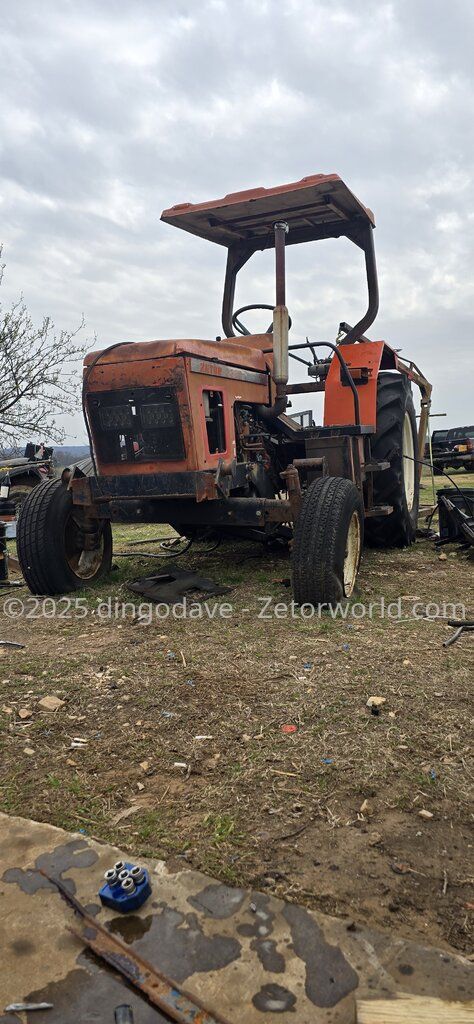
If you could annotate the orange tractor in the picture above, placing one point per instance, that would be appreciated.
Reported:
(197, 433)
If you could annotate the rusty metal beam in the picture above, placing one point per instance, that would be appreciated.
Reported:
(160, 990)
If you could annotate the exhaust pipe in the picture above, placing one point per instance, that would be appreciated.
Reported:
(280, 330)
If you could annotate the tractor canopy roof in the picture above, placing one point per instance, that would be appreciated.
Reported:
(319, 206)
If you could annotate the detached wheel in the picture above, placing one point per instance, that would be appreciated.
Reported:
(19, 493)
(399, 486)
(51, 542)
(327, 544)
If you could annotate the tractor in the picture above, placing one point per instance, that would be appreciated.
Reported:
(198, 434)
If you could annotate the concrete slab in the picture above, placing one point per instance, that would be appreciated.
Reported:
(246, 955)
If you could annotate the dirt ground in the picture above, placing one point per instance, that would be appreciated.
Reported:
(172, 739)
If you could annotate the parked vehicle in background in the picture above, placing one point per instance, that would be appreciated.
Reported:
(455, 450)
(438, 439)
(27, 471)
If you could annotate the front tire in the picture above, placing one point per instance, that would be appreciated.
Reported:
(399, 486)
(50, 543)
(327, 542)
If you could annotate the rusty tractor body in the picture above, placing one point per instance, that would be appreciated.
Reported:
(196, 433)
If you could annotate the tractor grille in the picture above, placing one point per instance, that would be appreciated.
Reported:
(136, 425)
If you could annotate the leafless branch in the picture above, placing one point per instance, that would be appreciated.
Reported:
(38, 375)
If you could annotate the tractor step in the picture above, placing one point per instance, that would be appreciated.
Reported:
(376, 467)
(378, 510)
(349, 430)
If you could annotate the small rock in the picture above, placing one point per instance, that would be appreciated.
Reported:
(24, 713)
(51, 703)
(6, 710)
(29, 751)
(160, 868)
(375, 838)
(407, 662)
(427, 815)
(443, 557)
(375, 702)
(144, 765)
(140, 786)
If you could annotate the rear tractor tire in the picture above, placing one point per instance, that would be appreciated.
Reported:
(50, 543)
(327, 543)
(396, 441)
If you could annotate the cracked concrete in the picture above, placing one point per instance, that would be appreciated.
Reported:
(243, 954)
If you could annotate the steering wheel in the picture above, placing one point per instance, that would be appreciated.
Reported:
(240, 327)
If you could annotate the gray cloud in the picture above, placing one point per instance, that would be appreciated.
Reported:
(110, 112)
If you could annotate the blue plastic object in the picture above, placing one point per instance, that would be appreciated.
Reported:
(115, 897)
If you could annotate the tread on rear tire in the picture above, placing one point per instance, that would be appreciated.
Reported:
(394, 405)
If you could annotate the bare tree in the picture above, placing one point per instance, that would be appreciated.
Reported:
(38, 375)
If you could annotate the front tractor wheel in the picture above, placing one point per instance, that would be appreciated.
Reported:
(327, 542)
(57, 550)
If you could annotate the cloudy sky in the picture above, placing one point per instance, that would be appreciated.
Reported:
(111, 111)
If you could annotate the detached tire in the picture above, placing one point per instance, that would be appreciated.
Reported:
(398, 486)
(19, 493)
(50, 551)
(327, 542)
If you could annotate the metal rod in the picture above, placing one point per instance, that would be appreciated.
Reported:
(305, 389)
(298, 359)
(142, 975)
(428, 426)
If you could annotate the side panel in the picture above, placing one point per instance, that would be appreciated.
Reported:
(367, 356)
(235, 386)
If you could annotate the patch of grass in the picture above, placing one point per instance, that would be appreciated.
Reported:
(150, 825)
(222, 828)
(53, 781)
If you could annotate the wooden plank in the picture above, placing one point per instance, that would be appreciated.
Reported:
(407, 1009)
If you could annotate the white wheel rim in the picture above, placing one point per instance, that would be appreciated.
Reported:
(408, 464)
(84, 564)
(352, 555)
